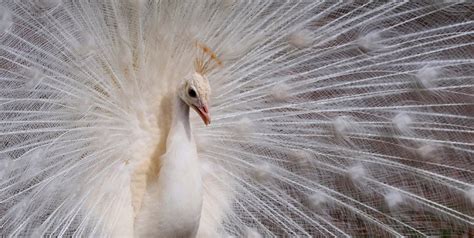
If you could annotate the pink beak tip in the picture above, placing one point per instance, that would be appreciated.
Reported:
(204, 114)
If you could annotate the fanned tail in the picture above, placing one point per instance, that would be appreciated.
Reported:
(329, 118)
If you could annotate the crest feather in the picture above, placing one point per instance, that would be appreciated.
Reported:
(206, 60)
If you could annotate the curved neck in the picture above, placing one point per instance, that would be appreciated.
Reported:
(176, 197)
(180, 118)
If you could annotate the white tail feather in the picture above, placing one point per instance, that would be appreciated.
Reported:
(329, 118)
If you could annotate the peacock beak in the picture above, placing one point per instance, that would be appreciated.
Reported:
(203, 112)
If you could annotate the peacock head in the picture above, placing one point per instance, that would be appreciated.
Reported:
(195, 91)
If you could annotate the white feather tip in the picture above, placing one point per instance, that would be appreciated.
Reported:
(370, 41)
(317, 199)
(280, 92)
(343, 125)
(402, 122)
(394, 199)
(244, 126)
(357, 172)
(300, 156)
(5, 20)
(263, 172)
(47, 4)
(252, 233)
(429, 152)
(427, 77)
(469, 193)
(301, 38)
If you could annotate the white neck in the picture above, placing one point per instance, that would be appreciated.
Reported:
(180, 121)
(176, 198)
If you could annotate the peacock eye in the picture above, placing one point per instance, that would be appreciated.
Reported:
(192, 93)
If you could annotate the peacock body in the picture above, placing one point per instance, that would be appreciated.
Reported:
(328, 118)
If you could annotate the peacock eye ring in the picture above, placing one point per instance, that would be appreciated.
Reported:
(192, 93)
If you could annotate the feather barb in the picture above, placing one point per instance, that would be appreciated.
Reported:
(206, 60)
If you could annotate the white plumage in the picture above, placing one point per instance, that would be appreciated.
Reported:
(329, 118)
(172, 206)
